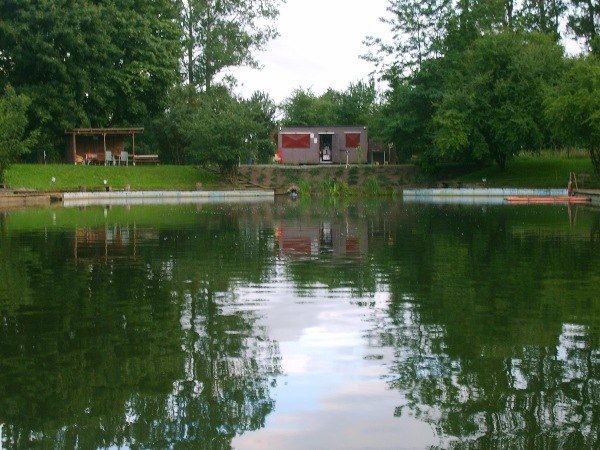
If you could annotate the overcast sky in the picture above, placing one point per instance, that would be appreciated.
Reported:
(319, 47)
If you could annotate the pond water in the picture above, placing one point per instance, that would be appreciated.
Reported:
(300, 325)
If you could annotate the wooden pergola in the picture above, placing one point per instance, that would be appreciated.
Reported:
(100, 132)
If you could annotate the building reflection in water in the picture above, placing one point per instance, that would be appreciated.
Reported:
(311, 239)
(113, 242)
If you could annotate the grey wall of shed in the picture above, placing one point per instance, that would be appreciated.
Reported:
(311, 155)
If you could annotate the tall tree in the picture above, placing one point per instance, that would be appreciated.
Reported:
(573, 107)
(261, 140)
(418, 27)
(215, 128)
(89, 63)
(493, 107)
(305, 108)
(169, 131)
(409, 107)
(542, 15)
(223, 33)
(14, 141)
(584, 21)
(147, 34)
(220, 131)
(357, 104)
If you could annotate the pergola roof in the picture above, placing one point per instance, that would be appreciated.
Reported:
(105, 131)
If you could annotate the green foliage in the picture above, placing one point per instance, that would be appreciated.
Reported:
(357, 105)
(219, 131)
(418, 29)
(169, 131)
(492, 107)
(543, 16)
(215, 128)
(304, 108)
(545, 170)
(88, 63)
(584, 22)
(353, 176)
(573, 107)
(371, 187)
(222, 34)
(14, 140)
(333, 187)
(407, 114)
(428, 162)
(304, 186)
(467, 78)
(261, 140)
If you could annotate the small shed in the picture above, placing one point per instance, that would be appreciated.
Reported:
(91, 144)
(323, 145)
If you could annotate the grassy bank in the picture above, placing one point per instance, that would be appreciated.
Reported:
(536, 171)
(72, 178)
(527, 171)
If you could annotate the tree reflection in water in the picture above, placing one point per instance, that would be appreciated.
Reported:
(496, 346)
(133, 335)
(139, 351)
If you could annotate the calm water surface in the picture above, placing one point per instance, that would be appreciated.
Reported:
(299, 325)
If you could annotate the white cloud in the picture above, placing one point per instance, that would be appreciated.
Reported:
(319, 47)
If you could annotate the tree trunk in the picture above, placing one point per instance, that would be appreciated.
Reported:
(591, 11)
(508, 12)
(190, 54)
(542, 15)
(595, 156)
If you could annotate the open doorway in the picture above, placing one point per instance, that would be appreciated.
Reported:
(325, 147)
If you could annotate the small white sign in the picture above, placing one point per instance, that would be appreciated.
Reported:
(315, 140)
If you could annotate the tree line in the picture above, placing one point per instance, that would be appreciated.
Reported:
(153, 63)
(467, 81)
(477, 81)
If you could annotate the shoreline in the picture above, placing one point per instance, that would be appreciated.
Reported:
(10, 199)
(17, 199)
(488, 195)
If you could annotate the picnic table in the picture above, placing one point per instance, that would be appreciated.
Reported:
(145, 159)
(118, 159)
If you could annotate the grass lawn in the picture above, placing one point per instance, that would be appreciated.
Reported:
(71, 178)
(549, 170)
(543, 171)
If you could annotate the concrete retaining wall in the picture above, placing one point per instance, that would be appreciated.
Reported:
(157, 197)
(480, 192)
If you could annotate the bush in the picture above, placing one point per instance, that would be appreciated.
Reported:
(334, 188)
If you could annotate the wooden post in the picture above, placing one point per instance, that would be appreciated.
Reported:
(73, 148)
(104, 137)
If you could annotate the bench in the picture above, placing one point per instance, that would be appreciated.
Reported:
(145, 159)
